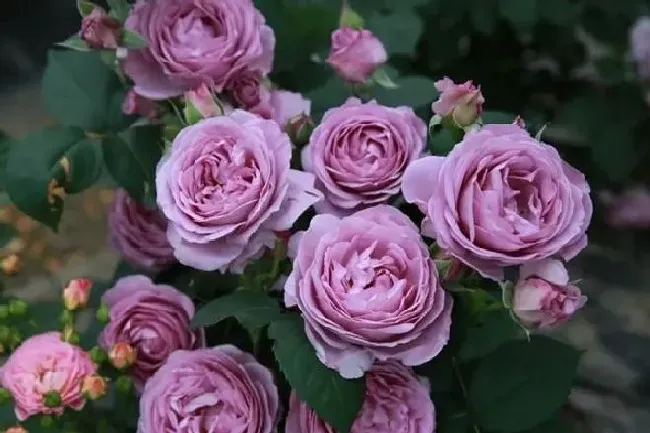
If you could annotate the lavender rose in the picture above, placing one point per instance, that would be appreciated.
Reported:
(196, 42)
(152, 319)
(501, 198)
(226, 188)
(355, 54)
(368, 290)
(220, 389)
(139, 233)
(359, 153)
(543, 296)
(396, 401)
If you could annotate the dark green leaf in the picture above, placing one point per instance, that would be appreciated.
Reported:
(484, 15)
(119, 9)
(85, 159)
(559, 12)
(522, 383)
(253, 310)
(332, 94)
(80, 90)
(334, 399)
(133, 40)
(497, 117)
(413, 91)
(439, 371)
(399, 31)
(496, 328)
(521, 13)
(555, 425)
(74, 43)
(442, 142)
(459, 422)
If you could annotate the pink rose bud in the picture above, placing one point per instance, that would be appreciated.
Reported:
(463, 102)
(299, 129)
(94, 386)
(543, 296)
(135, 104)
(77, 293)
(16, 429)
(202, 101)
(122, 355)
(100, 31)
(355, 54)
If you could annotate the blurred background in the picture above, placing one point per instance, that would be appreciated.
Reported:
(564, 63)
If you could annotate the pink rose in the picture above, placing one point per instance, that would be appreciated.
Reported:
(355, 54)
(464, 102)
(202, 99)
(45, 364)
(630, 209)
(368, 290)
(359, 153)
(152, 319)
(543, 296)
(196, 42)
(640, 45)
(219, 389)
(77, 293)
(139, 233)
(226, 188)
(100, 31)
(501, 198)
(396, 401)
(135, 104)
(288, 105)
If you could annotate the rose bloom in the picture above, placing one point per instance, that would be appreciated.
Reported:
(288, 105)
(501, 198)
(135, 104)
(355, 54)
(41, 364)
(139, 233)
(464, 102)
(543, 296)
(220, 389)
(226, 188)
(630, 209)
(100, 30)
(359, 153)
(640, 45)
(153, 319)
(196, 42)
(396, 401)
(368, 290)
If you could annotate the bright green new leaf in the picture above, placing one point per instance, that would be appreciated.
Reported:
(522, 383)
(85, 7)
(253, 310)
(334, 399)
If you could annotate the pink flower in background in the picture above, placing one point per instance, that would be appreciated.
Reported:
(630, 209)
(288, 105)
(226, 187)
(355, 54)
(135, 104)
(640, 45)
(100, 30)
(202, 99)
(43, 364)
(543, 296)
(139, 233)
(196, 42)
(152, 319)
(220, 389)
(396, 401)
(500, 199)
(359, 153)
(368, 290)
(464, 102)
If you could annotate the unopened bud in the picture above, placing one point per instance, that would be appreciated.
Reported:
(77, 293)
(16, 429)
(200, 103)
(100, 30)
(4, 311)
(70, 335)
(52, 399)
(11, 264)
(93, 386)
(98, 355)
(18, 307)
(299, 129)
(123, 383)
(122, 355)
(102, 314)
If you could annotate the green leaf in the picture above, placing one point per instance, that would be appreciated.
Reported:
(85, 159)
(495, 329)
(484, 15)
(555, 425)
(74, 43)
(442, 142)
(334, 399)
(119, 9)
(522, 384)
(350, 18)
(85, 8)
(521, 13)
(413, 91)
(132, 40)
(35, 161)
(253, 310)
(131, 160)
(80, 90)
(399, 31)
(333, 93)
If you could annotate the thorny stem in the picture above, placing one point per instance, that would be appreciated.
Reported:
(462, 387)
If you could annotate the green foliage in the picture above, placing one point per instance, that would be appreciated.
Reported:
(253, 310)
(335, 399)
(494, 329)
